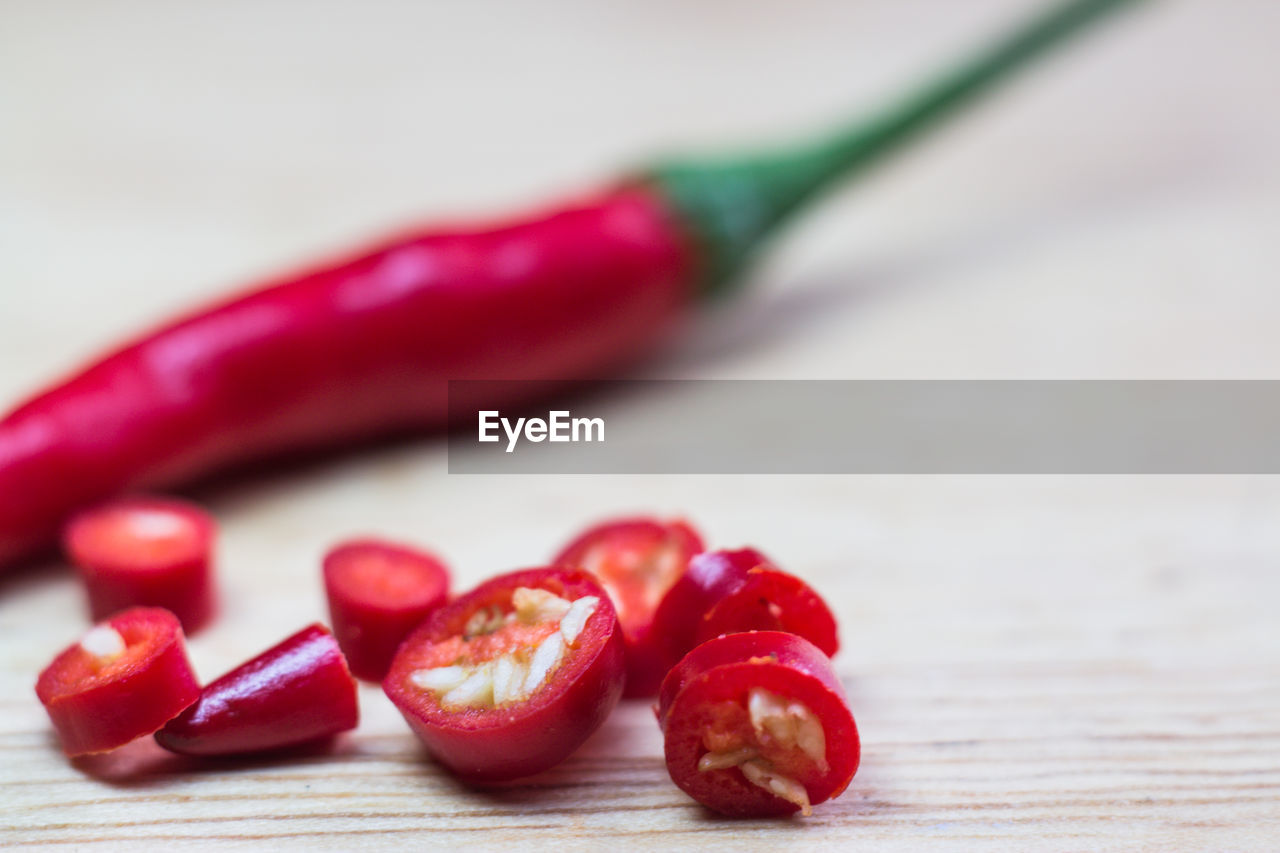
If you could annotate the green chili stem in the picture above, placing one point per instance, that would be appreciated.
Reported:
(733, 205)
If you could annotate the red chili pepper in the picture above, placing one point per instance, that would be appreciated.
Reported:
(378, 592)
(153, 552)
(347, 352)
(757, 724)
(125, 678)
(296, 692)
(636, 560)
(364, 347)
(724, 592)
(512, 677)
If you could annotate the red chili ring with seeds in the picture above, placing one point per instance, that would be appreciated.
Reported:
(146, 551)
(724, 592)
(757, 724)
(512, 677)
(296, 692)
(378, 592)
(127, 677)
(636, 560)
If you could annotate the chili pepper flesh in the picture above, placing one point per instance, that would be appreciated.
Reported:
(124, 679)
(144, 551)
(757, 724)
(724, 592)
(504, 658)
(296, 692)
(378, 592)
(509, 679)
(636, 560)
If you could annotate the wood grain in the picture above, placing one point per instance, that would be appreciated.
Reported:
(1036, 663)
(1119, 694)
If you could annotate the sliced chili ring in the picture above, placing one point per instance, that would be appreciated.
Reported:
(127, 677)
(509, 679)
(636, 560)
(146, 552)
(757, 724)
(724, 592)
(378, 592)
(298, 691)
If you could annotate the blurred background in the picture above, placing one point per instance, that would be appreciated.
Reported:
(1057, 660)
(1110, 214)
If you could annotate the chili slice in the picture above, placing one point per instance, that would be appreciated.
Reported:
(724, 592)
(295, 692)
(378, 592)
(124, 679)
(512, 677)
(636, 560)
(757, 724)
(146, 551)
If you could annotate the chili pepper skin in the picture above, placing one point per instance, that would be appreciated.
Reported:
(126, 678)
(714, 732)
(725, 592)
(378, 592)
(348, 352)
(494, 739)
(636, 560)
(296, 692)
(144, 551)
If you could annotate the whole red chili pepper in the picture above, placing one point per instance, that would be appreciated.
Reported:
(346, 352)
(363, 347)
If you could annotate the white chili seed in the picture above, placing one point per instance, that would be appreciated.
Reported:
(576, 619)
(152, 525)
(760, 774)
(440, 679)
(476, 690)
(103, 642)
(788, 723)
(721, 760)
(508, 679)
(544, 660)
(537, 605)
(810, 736)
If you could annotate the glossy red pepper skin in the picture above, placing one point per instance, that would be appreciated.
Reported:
(123, 566)
(347, 352)
(621, 554)
(725, 592)
(536, 733)
(378, 592)
(298, 691)
(98, 707)
(724, 670)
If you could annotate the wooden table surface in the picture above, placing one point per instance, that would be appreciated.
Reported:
(1036, 663)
